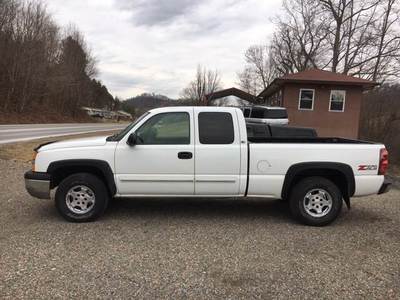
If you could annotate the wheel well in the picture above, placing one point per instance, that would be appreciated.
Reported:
(61, 169)
(336, 176)
(61, 173)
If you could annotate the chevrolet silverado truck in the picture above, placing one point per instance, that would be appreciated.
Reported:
(206, 152)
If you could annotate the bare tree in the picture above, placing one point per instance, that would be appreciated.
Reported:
(249, 81)
(258, 71)
(363, 38)
(355, 37)
(299, 41)
(206, 82)
(389, 43)
(297, 45)
(352, 20)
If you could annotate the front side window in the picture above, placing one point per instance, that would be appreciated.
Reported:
(336, 102)
(306, 99)
(216, 128)
(246, 112)
(165, 129)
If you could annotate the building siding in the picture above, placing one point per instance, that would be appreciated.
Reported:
(340, 124)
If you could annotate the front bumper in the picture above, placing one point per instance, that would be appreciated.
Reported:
(38, 184)
(385, 186)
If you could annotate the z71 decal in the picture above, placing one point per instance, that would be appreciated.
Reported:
(367, 167)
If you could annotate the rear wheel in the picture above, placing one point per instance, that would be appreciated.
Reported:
(316, 201)
(81, 197)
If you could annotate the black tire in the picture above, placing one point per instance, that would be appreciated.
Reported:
(298, 202)
(95, 185)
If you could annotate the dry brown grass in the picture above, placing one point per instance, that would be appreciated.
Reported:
(23, 151)
(43, 117)
(48, 117)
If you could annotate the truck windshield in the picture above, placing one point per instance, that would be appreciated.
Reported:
(119, 135)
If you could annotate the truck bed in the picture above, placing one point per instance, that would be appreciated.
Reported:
(264, 133)
(269, 158)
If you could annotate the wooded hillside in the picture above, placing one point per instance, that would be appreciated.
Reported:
(380, 118)
(45, 69)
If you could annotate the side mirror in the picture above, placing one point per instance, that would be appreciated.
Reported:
(132, 139)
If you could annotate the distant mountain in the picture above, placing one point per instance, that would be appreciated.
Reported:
(150, 101)
(146, 101)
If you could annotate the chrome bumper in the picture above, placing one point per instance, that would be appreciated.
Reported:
(38, 184)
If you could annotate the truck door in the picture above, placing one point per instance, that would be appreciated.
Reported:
(217, 152)
(162, 161)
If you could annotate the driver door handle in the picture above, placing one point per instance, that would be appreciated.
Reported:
(185, 155)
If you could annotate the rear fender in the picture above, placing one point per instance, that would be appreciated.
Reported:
(295, 172)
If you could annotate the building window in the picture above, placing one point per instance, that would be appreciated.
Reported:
(337, 100)
(306, 99)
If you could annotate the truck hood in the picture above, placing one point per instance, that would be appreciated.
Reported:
(83, 142)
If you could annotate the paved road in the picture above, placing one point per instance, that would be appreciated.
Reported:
(195, 249)
(18, 133)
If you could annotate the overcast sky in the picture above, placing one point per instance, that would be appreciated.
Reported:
(156, 45)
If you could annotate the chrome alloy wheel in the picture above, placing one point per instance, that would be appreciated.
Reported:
(317, 203)
(80, 199)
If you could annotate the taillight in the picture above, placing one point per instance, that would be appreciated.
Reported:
(383, 161)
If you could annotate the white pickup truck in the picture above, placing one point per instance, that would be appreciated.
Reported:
(205, 152)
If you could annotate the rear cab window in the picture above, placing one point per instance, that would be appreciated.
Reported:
(216, 128)
(258, 113)
(276, 114)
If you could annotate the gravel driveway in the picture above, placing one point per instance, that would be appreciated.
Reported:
(195, 249)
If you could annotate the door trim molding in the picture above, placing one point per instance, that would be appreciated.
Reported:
(155, 178)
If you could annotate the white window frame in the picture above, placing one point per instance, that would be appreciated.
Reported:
(330, 101)
(312, 104)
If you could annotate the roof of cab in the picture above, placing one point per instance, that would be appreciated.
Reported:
(266, 107)
(180, 108)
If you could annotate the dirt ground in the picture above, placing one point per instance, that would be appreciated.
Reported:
(195, 249)
(192, 248)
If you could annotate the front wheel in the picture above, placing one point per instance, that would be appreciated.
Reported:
(316, 201)
(81, 197)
